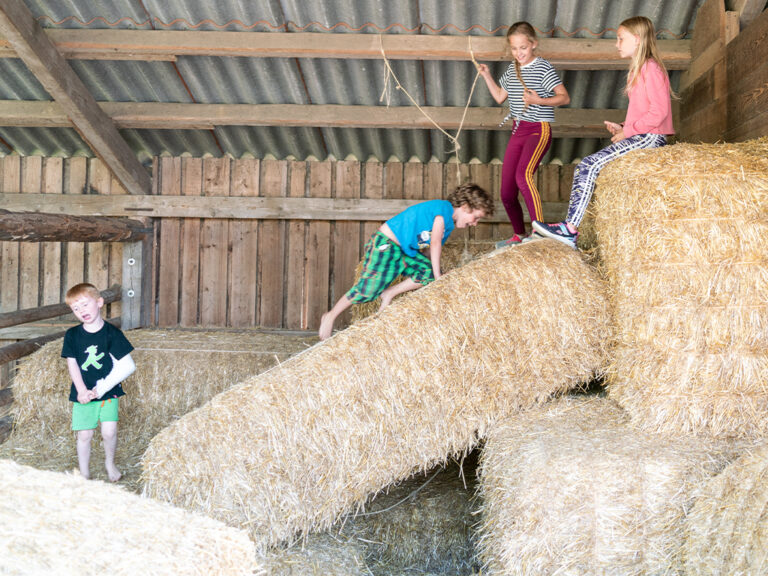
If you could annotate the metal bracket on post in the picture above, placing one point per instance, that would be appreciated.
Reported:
(132, 285)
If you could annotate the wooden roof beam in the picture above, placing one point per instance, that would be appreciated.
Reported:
(569, 122)
(747, 10)
(37, 51)
(564, 53)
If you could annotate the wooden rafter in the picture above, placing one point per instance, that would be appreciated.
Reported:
(569, 122)
(564, 53)
(748, 10)
(33, 46)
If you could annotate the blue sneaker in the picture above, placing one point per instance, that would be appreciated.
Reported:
(558, 231)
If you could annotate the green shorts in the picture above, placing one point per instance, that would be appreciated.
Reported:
(87, 416)
(384, 261)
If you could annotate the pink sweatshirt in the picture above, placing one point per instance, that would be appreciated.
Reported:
(650, 106)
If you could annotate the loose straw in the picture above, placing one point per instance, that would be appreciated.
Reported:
(454, 139)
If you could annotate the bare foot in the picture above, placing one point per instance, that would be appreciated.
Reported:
(326, 326)
(113, 474)
(386, 298)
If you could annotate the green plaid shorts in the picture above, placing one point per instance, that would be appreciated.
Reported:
(384, 261)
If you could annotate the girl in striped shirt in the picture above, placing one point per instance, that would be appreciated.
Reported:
(532, 89)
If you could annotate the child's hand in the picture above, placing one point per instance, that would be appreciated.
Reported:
(531, 97)
(483, 69)
(618, 136)
(612, 127)
(86, 396)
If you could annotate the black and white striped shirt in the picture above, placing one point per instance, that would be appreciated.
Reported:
(538, 75)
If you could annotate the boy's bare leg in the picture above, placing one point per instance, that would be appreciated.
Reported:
(109, 435)
(84, 452)
(405, 286)
(326, 322)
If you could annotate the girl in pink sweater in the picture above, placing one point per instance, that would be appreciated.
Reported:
(648, 121)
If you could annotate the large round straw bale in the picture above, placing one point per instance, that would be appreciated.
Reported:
(454, 255)
(727, 530)
(295, 448)
(53, 523)
(423, 524)
(176, 372)
(683, 236)
(570, 489)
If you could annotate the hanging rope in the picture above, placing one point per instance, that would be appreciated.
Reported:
(386, 93)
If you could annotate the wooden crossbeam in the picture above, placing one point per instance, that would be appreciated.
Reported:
(30, 42)
(564, 53)
(569, 122)
(44, 227)
(230, 207)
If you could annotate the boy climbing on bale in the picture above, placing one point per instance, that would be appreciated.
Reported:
(395, 248)
(98, 358)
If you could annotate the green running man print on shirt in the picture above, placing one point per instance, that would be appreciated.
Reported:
(93, 358)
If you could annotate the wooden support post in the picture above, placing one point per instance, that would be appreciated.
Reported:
(137, 295)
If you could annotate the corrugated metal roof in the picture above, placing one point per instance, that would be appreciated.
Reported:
(205, 79)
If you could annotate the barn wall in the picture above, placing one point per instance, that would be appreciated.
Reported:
(286, 273)
(230, 272)
(36, 274)
(724, 93)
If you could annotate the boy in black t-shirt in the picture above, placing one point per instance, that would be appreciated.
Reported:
(98, 358)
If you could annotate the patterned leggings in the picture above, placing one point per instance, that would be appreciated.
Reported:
(586, 173)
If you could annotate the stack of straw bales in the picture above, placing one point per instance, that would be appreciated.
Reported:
(53, 523)
(727, 530)
(683, 233)
(295, 448)
(570, 489)
(176, 372)
(454, 255)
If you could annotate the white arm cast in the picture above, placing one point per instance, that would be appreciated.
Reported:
(121, 369)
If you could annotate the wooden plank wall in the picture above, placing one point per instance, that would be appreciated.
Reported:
(36, 274)
(233, 272)
(724, 93)
(747, 64)
(286, 273)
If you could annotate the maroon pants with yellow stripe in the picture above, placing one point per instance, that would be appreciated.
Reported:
(526, 147)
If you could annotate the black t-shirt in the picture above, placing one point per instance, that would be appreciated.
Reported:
(92, 350)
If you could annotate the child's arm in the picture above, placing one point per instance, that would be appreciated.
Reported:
(121, 369)
(83, 394)
(436, 245)
(497, 92)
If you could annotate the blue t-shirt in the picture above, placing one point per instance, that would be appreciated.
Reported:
(92, 352)
(413, 226)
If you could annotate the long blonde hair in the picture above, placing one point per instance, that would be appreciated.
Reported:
(527, 30)
(642, 28)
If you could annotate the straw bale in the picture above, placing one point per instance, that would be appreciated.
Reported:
(318, 555)
(455, 254)
(295, 448)
(423, 524)
(570, 489)
(53, 523)
(683, 241)
(176, 372)
(727, 530)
